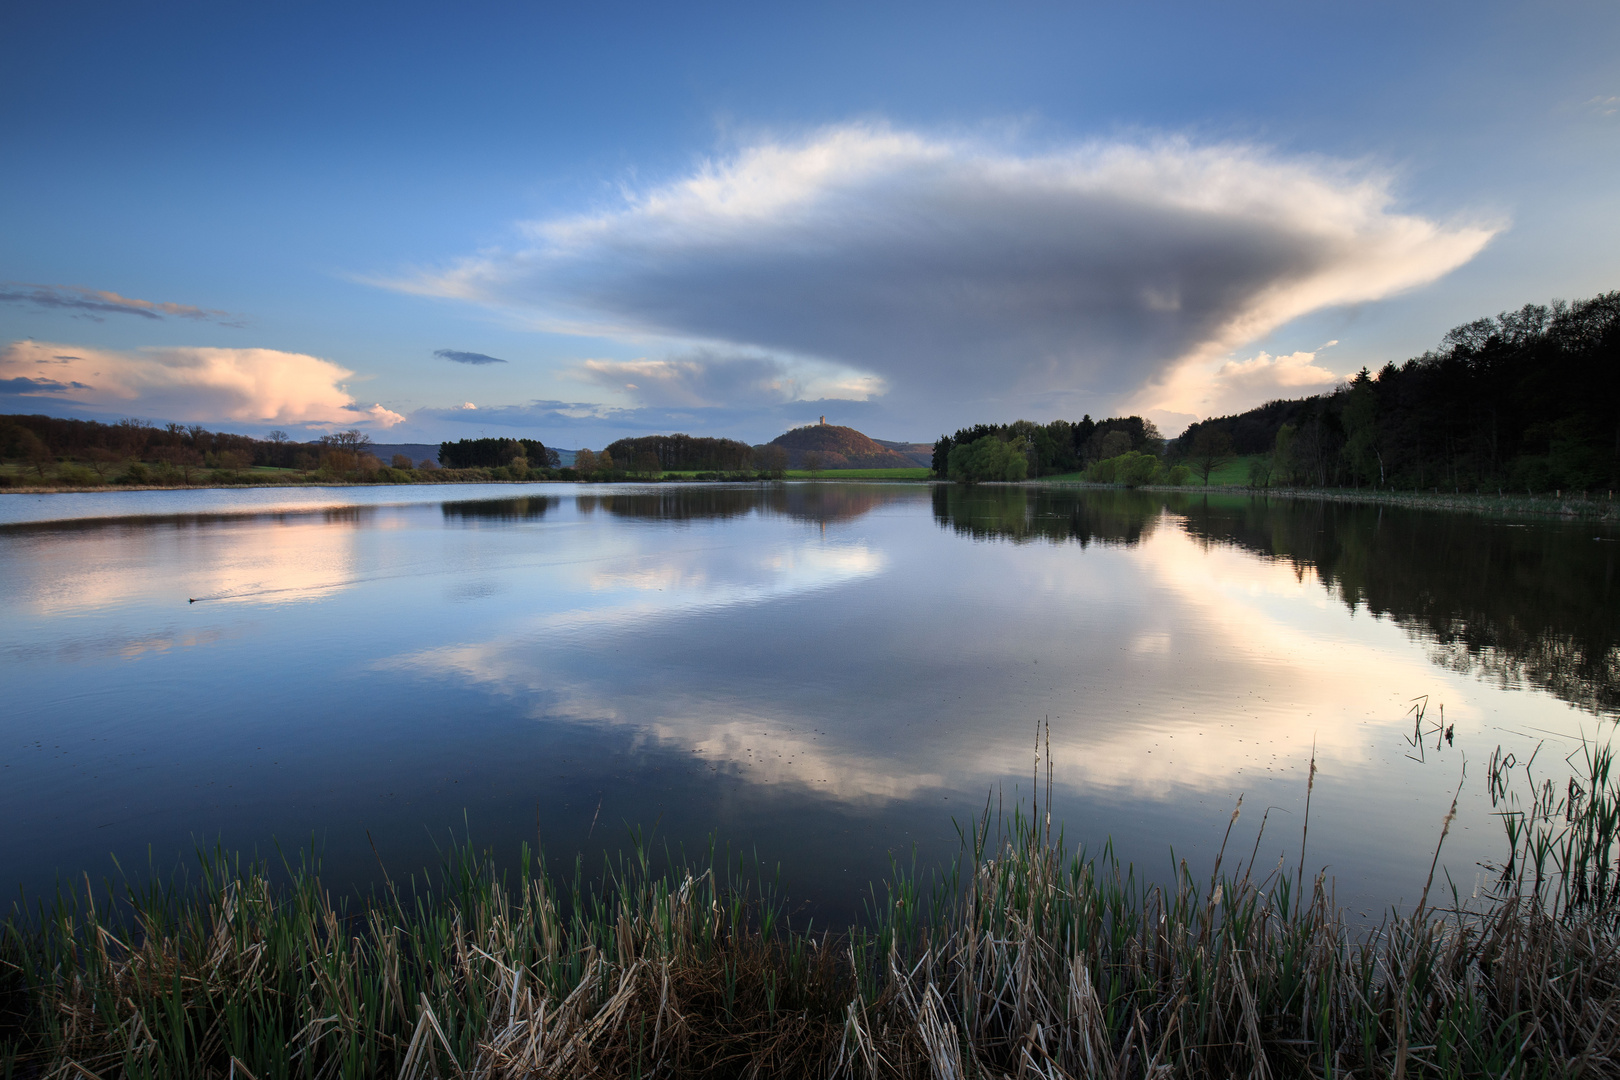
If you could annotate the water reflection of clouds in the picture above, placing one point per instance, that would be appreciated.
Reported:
(758, 741)
(884, 664)
(1173, 668)
(696, 580)
(1281, 670)
(270, 562)
(632, 583)
(792, 757)
(1194, 629)
(122, 646)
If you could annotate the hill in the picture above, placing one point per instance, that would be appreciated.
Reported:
(920, 454)
(840, 448)
(415, 451)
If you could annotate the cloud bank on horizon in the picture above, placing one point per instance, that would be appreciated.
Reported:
(205, 385)
(941, 274)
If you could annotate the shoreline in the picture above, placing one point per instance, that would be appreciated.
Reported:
(1553, 507)
(1539, 506)
(1021, 951)
(99, 489)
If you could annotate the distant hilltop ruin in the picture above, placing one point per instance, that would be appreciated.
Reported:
(845, 448)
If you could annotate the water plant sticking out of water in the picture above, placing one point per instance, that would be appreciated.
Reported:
(1026, 959)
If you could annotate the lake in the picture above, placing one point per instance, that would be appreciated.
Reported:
(832, 676)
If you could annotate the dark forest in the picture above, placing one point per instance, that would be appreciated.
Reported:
(1528, 401)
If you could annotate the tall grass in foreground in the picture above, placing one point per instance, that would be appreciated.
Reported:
(1027, 960)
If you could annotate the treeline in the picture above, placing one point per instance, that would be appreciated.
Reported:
(51, 450)
(1528, 401)
(29, 437)
(497, 454)
(682, 453)
(1026, 449)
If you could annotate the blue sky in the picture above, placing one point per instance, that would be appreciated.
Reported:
(730, 219)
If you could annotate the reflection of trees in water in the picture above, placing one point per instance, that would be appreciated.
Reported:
(1531, 605)
(135, 524)
(803, 502)
(523, 508)
(673, 503)
(1023, 514)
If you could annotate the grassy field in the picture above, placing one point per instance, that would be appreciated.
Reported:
(1024, 959)
(1233, 473)
(826, 474)
(861, 474)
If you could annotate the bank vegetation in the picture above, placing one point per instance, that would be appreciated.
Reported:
(1027, 959)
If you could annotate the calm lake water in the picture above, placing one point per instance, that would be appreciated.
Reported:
(827, 674)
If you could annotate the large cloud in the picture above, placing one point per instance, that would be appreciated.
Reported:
(193, 384)
(703, 379)
(956, 270)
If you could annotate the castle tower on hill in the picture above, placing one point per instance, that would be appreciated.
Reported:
(823, 421)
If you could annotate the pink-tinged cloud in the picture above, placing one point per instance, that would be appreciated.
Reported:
(1197, 391)
(258, 386)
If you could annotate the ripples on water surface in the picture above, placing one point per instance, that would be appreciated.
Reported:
(827, 673)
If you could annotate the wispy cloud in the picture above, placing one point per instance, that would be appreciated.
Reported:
(1604, 105)
(967, 271)
(194, 384)
(455, 356)
(94, 303)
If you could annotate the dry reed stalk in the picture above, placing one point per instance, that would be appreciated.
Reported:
(1030, 961)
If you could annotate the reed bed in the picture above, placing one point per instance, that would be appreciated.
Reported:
(1026, 960)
